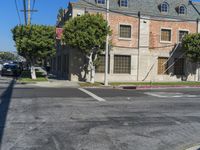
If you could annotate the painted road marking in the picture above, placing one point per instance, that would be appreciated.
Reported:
(170, 95)
(92, 95)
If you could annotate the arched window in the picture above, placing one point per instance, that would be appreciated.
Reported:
(164, 7)
(182, 10)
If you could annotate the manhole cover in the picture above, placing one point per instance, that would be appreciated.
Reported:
(194, 148)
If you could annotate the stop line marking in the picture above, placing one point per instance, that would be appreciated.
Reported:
(92, 95)
(170, 95)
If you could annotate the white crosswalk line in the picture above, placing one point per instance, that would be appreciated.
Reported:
(170, 95)
(92, 95)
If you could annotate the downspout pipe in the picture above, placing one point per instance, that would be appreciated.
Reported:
(138, 61)
(197, 25)
(198, 64)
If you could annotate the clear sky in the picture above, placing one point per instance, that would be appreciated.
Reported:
(47, 12)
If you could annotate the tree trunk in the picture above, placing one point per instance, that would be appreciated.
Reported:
(33, 74)
(92, 74)
(91, 69)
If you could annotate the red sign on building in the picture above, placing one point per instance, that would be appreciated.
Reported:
(59, 32)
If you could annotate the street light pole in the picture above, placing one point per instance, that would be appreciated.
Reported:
(107, 46)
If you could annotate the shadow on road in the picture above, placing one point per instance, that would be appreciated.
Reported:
(5, 100)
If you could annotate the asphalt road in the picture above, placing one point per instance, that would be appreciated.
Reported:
(34, 118)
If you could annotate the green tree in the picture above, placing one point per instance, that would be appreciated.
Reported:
(34, 42)
(8, 56)
(61, 14)
(87, 33)
(191, 45)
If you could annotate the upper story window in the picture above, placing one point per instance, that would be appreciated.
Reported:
(164, 8)
(182, 33)
(182, 10)
(100, 1)
(166, 35)
(125, 31)
(123, 3)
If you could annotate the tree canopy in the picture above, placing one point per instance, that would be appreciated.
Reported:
(34, 42)
(191, 45)
(86, 32)
(8, 56)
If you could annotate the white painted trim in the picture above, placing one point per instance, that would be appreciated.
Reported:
(178, 34)
(123, 38)
(161, 33)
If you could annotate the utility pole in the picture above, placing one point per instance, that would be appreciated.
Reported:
(107, 47)
(25, 19)
(29, 12)
(138, 61)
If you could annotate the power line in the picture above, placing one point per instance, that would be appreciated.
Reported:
(17, 9)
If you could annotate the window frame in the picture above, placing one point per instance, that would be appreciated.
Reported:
(97, 1)
(97, 70)
(161, 8)
(178, 38)
(161, 41)
(179, 10)
(121, 72)
(120, 1)
(125, 38)
(166, 66)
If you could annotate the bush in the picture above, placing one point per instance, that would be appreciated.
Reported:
(26, 74)
(40, 74)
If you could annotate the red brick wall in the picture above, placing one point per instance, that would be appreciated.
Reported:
(155, 32)
(115, 21)
(154, 29)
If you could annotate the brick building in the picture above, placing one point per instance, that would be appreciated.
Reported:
(146, 40)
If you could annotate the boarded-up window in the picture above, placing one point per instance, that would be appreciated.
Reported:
(125, 31)
(166, 35)
(101, 64)
(162, 65)
(122, 64)
(179, 66)
(182, 34)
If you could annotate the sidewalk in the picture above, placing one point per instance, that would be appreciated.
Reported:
(54, 83)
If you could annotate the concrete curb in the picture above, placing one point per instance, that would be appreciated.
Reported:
(156, 87)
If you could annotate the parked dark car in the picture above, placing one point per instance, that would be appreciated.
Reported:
(10, 70)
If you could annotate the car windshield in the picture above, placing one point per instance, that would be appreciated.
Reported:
(10, 66)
